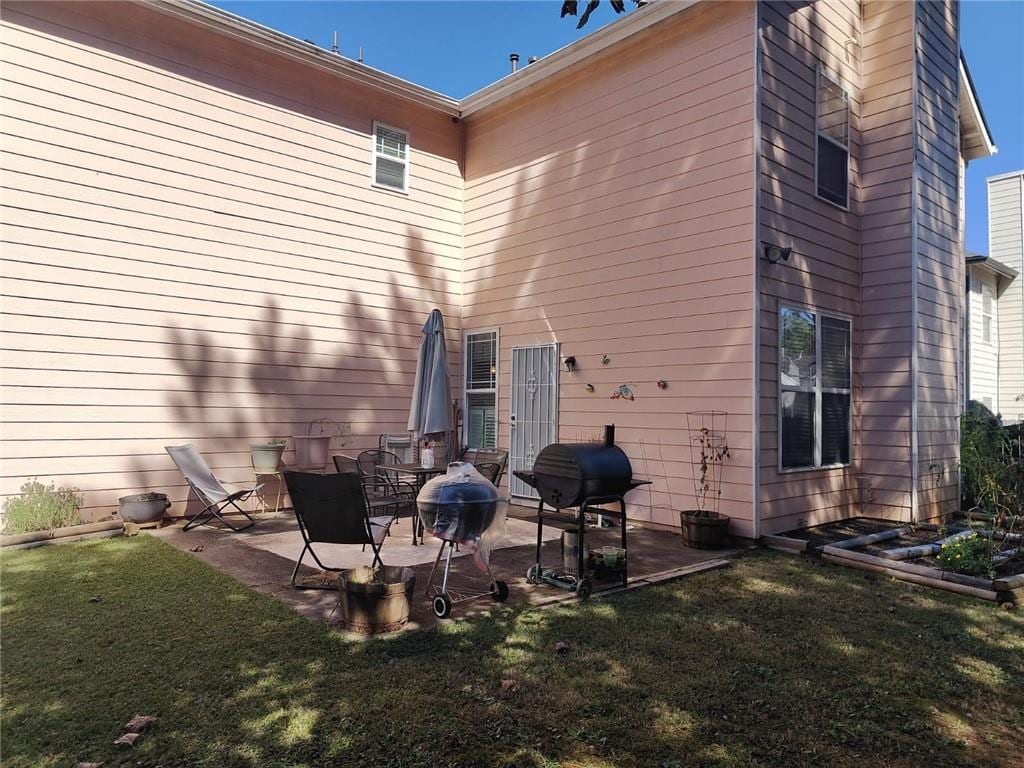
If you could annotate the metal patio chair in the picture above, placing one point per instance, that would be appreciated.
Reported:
(207, 488)
(332, 509)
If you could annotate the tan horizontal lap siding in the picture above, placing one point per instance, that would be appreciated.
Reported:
(192, 251)
(940, 264)
(610, 212)
(1006, 244)
(824, 270)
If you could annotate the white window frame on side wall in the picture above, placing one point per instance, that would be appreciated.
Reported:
(466, 392)
(818, 135)
(374, 155)
(987, 292)
(818, 389)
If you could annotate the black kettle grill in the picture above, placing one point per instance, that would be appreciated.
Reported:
(584, 476)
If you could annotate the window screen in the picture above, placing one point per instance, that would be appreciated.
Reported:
(833, 141)
(814, 389)
(390, 161)
(481, 413)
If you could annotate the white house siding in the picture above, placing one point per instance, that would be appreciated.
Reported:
(984, 356)
(1006, 244)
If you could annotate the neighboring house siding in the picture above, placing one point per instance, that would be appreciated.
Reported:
(887, 53)
(192, 251)
(611, 211)
(984, 356)
(823, 271)
(1006, 244)
(939, 259)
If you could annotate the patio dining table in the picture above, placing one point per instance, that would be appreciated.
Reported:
(420, 476)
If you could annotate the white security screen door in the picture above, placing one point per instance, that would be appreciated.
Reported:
(533, 417)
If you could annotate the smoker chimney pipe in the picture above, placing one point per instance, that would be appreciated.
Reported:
(514, 60)
(609, 435)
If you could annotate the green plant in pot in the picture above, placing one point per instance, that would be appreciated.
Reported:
(704, 527)
(266, 457)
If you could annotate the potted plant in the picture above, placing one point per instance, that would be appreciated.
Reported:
(266, 457)
(704, 527)
(312, 450)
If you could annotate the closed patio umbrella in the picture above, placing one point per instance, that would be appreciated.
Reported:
(431, 409)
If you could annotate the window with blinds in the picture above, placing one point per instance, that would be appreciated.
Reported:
(814, 389)
(481, 387)
(832, 130)
(390, 158)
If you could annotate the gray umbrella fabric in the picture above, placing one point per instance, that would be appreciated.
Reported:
(431, 409)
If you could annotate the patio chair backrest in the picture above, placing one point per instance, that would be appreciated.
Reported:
(485, 459)
(371, 461)
(197, 472)
(346, 465)
(490, 469)
(330, 509)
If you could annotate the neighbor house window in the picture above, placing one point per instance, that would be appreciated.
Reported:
(986, 313)
(390, 158)
(481, 411)
(814, 389)
(833, 141)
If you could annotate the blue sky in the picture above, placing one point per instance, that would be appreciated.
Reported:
(458, 47)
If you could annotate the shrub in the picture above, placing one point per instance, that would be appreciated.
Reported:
(40, 508)
(991, 463)
(971, 555)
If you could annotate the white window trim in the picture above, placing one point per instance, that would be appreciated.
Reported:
(990, 315)
(818, 135)
(466, 391)
(818, 390)
(373, 158)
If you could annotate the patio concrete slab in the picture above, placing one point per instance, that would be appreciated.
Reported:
(262, 557)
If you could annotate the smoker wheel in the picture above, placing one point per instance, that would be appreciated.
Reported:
(442, 606)
(533, 574)
(500, 592)
(583, 589)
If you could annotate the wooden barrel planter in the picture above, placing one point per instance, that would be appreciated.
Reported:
(375, 600)
(704, 530)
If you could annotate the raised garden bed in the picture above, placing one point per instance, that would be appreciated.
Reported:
(908, 553)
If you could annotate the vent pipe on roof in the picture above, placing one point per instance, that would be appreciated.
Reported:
(360, 59)
(531, 60)
(514, 61)
(334, 43)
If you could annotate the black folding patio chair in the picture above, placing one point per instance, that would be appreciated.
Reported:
(332, 509)
(208, 489)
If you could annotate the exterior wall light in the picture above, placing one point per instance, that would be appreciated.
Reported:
(776, 253)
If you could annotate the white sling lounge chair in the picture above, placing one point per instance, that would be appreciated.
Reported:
(208, 489)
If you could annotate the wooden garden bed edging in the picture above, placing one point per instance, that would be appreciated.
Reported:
(38, 538)
(784, 543)
(916, 574)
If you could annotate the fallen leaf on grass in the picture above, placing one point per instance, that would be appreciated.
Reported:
(139, 723)
(128, 740)
(90, 765)
(196, 548)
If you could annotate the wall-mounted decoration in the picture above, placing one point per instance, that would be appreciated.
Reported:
(623, 393)
(662, 384)
(590, 387)
(570, 363)
(605, 359)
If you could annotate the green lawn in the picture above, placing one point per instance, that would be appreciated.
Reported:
(774, 662)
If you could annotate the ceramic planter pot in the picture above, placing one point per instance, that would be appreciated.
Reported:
(704, 530)
(143, 508)
(266, 457)
(311, 451)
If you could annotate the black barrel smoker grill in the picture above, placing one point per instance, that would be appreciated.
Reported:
(583, 476)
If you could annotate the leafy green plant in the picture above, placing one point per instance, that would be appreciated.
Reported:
(991, 463)
(41, 507)
(971, 555)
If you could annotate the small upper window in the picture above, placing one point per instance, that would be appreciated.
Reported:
(986, 313)
(832, 176)
(390, 158)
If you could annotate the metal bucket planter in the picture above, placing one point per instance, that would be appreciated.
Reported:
(375, 600)
(143, 509)
(704, 530)
(266, 457)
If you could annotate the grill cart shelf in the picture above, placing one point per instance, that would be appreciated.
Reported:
(580, 476)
